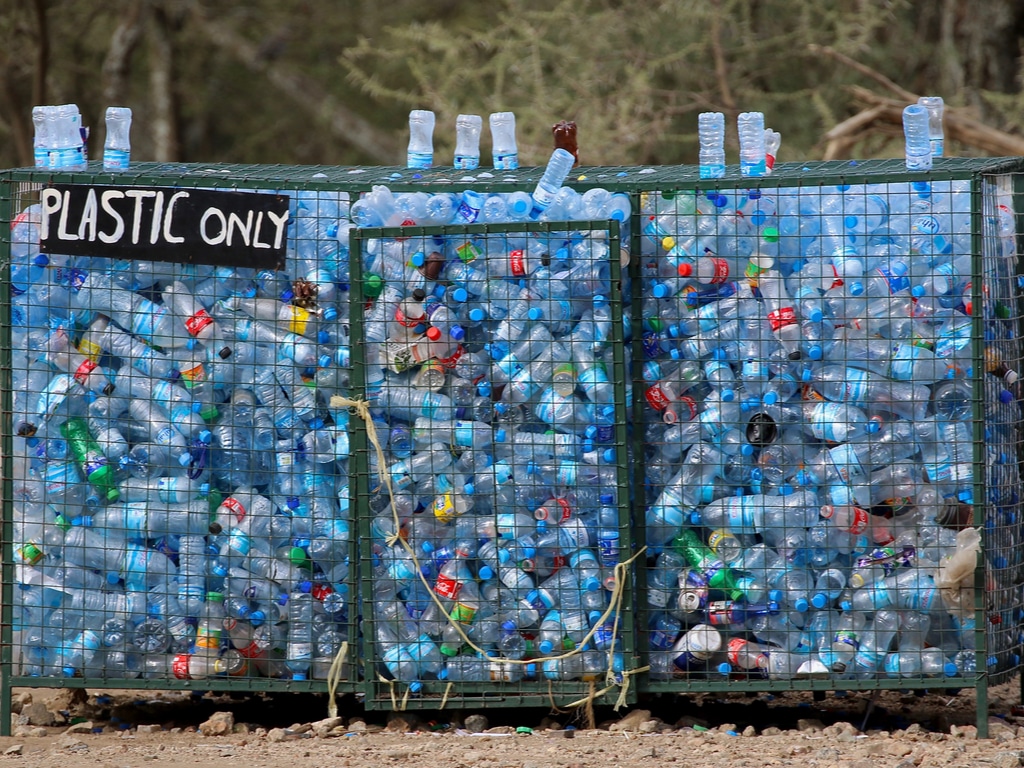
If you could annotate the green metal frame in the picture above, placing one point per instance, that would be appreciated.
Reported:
(378, 695)
(633, 180)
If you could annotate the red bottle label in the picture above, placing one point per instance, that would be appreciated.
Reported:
(781, 317)
(82, 372)
(179, 667)
(516, 263)
(447, 587)
(235, 507)
(195, 324)
(721, 270)
(656, 398)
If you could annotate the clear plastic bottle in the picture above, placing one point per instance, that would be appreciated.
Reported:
(711, 135)
(421, 139)
(916, 132)
(504, 151)
(467, 142)
(117, 144)
(936, 137)
(750, 126)
(558, 167)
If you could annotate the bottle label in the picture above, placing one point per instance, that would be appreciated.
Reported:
(505, 525)
(781, 317)
(208, 637)
(825, 417)
(198, 322)
(561, 509)
(179, 666)
(717, 537)
(858, 521)
(691, 408)
(661, 640)
(721, 270)
(467, 252)
(565, 475)
(754, 369)
(147, 318)
(444, 508)
(29, 553)
(299, 321)
(90, 349)
(167, 490)
(516, 263)
(506, 161)
(846, 637)
(921, 600)
(658, 598)
(608, 548)
(238, 542)
(467, 163)
(720, 613)
(845, 462)
(116, 159)
(855, 387)
(406, 320)
(447, 587)
(897, 282)
(235, 507)
(736, 646)
(657, 398)
(81, 374)
(466, 212)
(419, 159)
(54, 395)
(463, 614)
(901, 367)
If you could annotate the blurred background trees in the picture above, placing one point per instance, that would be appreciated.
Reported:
(304, 81)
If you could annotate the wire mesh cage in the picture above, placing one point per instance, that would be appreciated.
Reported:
(825, 380)
(176, 485)
(497, 511)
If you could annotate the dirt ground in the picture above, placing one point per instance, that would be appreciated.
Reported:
(125, 729)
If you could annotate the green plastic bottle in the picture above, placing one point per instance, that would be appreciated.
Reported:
(701, 558)
(87, 451)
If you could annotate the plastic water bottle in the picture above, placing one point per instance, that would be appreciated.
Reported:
(750, 126)
(117, 144)
(467, 141)
(935, 107)
(916, 131)
(421, 139)
(504, 151)
(711, 135)
(551, 181)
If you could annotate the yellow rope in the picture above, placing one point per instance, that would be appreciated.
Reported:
(447, 690)
(334, 677)
(362, 410)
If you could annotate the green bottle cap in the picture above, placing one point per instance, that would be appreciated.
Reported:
(770, 234)
(373, 285)
(214, 597)
(447, 650)
(297, 556)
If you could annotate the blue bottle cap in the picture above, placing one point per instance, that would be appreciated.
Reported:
(786, 490)
(442, 675)
(600, 301)
(305, 587)
(68, 671)
(504, 556)
(695, 519)
(41, 260)
(775, 595)
(949, 669)
(590, 432)
(418, 259)
(728, 394)
(529, 552)
(427, 547)
(205, 436)
(872, 426)
(477, 315)
(535, 313)
(469, 489)
(661, 291)
(440, 290)
(846, 605)
(591, 584)
(820, 600)
(257, 617)
(965, 496)
(457, 332)
(724, 668)
(316, 423)
(500, 435)
(204, 489)
(323, 337)
(330, 314)
(485, 573)
(484, 389)
(815, 352)
(292, 502)
(532, 468)
(608, 457)
(917, 291)
(606, 499)
(197, 407)
(545, 647)
(287, 295)
(460, 295)
(1006, 397)
(747, 449)
(298, 675)
(185, 459)
(509, 626)
(801, 605)
(112, 578)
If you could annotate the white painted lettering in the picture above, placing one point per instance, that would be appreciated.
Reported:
(139, 195)
(62, 227)
(279, 222)
(89, 214)
(168, 237)
(105, 198)
(212, 212)
(256, 233)
(50, 201)
(244, 229)
(158, 215)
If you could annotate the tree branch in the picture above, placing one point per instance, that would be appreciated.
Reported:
(161, 79)
(42, 54)
(721, 67)
(342, 121)
(864, 69)
(119, 55)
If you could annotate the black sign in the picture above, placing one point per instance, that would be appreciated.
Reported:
(197, 226)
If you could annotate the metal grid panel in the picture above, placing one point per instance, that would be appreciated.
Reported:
(494, 366)
(783, 349)
(176, 504)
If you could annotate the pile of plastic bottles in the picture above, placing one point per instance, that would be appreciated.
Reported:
(181, 484)
(809, 426)
(489, 365)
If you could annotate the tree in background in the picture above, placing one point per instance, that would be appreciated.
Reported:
(301, 81)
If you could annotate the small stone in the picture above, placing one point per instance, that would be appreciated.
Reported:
(38, 714)
(476, 724)
(300, 727)
(750, 731)
(1007, 760)
(219, 724)
(915, 728)
(557, 734)
(34, 731)
(15, 749)
(649, 726)
(846, 737)
(175, 730)
(66, 700)
(374, 728)
(322, 728)
(967, 732)
(358, 725)
(688, 721)
(997, 725)
(726, 727)
(19, 701)
(341, 730)
(631, 722)
(500, 729)
(72, 744)
(275, 735)
(809, 724)
(771, 730)
(85, 726)
(549, 724)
